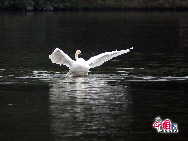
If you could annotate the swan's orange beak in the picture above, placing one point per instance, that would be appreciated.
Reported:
(79, 52)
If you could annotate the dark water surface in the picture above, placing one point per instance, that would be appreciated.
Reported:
(117, 101)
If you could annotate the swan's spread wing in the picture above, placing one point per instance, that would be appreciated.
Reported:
(59, 57)
(101, 58)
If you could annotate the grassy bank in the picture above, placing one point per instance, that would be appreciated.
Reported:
(50, 5)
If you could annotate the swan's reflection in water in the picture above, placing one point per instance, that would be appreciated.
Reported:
(96, 105)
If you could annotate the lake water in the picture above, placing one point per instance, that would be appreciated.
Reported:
(118, 100)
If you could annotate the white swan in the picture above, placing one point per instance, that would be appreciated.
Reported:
(80, 67)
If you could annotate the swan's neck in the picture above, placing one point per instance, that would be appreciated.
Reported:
(76, 56)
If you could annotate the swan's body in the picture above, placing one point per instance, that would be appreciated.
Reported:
(80, 67)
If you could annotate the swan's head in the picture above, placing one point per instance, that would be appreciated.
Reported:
(78, 52)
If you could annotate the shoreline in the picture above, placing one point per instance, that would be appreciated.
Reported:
(101, 10)
(93, 5)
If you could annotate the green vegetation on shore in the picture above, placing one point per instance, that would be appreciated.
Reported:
(50, 5)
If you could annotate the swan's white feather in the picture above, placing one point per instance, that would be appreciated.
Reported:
(80, 67)
(59, 57)
(103, 57)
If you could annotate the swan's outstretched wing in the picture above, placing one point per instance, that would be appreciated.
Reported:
(59, 57)
(101, 58)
